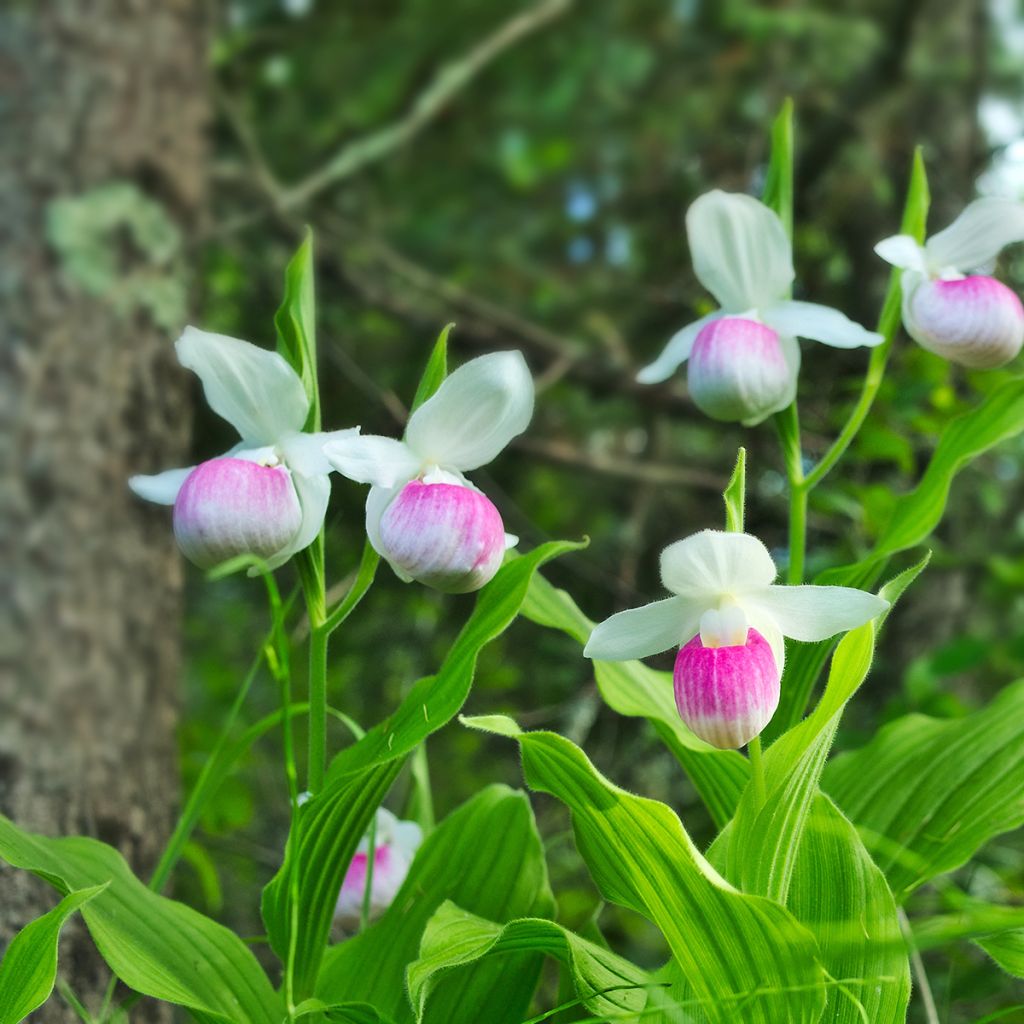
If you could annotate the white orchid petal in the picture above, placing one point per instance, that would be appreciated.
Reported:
(791, 353)
(712, 563)
(475, 413)
(304, 453)
(760, 620)
(976, 237)
(511, 541)
(815, 613)
(740, 250)
(676, 352)
(819, 323)
(160, 488)
(254, 389)
(372, 459)
(377, 501)
(640, 632)
(903, 251)
(313, 493)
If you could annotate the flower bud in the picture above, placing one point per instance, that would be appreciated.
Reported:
(395, 846)
(974, 321)
(447, 536)
(738, 371)
(726, 694)
(228, 507)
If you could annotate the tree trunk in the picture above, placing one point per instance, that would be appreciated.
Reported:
(101, 183)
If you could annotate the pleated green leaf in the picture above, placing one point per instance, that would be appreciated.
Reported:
(341, 1013)
(843, 898)
(29, 967)
(631, 688)
(742, 957)
(606, 984)
(927, 793)
(333, 821)
(487, 857)
(758, 850)
(915, 515)
(1007, 949)
(156, 946)
(295, 321)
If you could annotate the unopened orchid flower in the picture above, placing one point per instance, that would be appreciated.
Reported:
(968, 318)
(422, 514)
(728, 619)
(268, 495)
(744, 358)
(395, 844)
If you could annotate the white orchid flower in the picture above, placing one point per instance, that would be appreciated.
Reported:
(728, 617)
(395, 845)
(744, 357)
(422, 514)
(967, 318)
(268, 495)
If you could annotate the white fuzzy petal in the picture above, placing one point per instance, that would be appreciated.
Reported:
(475, 413)
(976, 237)
(254, 389)
(819, 323)
(161, 488)
(767, 627)
(712, 564)
(904, 252)
(676, 352)
(740, 250)
(313, 493)
(377, 501)
(640, 632)
(815, 613)
(371, 459)
(304, 453)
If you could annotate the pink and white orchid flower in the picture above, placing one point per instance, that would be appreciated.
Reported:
(422, 514)
(968, 318)
(744, 358)
(728, 618)
(268, 495)
(395, 845)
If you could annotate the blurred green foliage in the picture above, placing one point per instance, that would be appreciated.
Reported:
(542, 208)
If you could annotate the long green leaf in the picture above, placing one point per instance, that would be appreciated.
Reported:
(29, 967)
(606, 984)
(332, 823)
(156, 946)
(744, 957)
(295, 321)
(843, 898)
(927, 793)
(778, 185)
(487, 856)
(435, 371)
(631, 688)
(1007, 949)
(758, 850)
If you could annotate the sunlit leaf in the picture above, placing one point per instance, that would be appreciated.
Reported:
(927, 793)
(487, 856)
(29, 967)
(744, 957)
(156, 946)
(606, 984)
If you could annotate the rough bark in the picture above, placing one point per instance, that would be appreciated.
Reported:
(101, 183)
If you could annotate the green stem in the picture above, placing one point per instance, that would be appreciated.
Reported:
(317, 707)
(757, 770)
(788, 424)
(872, 382)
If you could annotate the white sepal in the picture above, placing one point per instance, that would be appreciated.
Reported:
(313, 493)
(712, 563)
(815, 613)
(304, 453)
(819, 323)
(474, 414)
(675, 352)
(372, 459)
(254, 389)
(740, 250)
(640, 632)
(977, 236)
(903, 251)
(161, 488)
